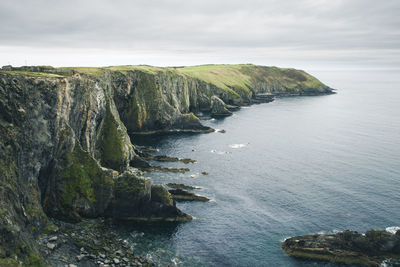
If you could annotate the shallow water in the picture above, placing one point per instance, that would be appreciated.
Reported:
(295, 166)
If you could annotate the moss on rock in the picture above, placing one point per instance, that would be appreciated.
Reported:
(83, 178)
(160, 194)
(112, 147)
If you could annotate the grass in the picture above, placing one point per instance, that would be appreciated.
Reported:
(32, 74)
(227, 77)
(236, 80)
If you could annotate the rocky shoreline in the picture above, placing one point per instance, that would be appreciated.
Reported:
(348, 247)
(65, 140)
(88, 243)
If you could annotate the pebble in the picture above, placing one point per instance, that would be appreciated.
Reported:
(54, 238)
(80, 257)
(102, 256)
(116, 261)
(51, 246)
(125, 260)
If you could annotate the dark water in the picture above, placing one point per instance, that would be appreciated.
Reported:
(294, 166)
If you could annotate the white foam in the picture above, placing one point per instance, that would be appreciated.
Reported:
(392, 229)
(237, 145)
(219, 152)
(284, 239)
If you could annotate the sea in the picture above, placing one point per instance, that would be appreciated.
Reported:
(298, 165)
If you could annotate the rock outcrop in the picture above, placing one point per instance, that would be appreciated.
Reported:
(218, 107)
(65, 144)
(346, 247)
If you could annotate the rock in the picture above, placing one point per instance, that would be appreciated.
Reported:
(180, 194)
(51, 246)
(262, 98)
(119, 253)
(137, 200)
(346, 247)
(102, 256)
(181, 186)
(166, 169)
(72, 265)
(54, 238)
(116, 261)
(204, 173)
(218, 107)
(164, 158)
(125, 259)
(80, 257)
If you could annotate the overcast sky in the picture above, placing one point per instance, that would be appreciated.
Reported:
(292, 33)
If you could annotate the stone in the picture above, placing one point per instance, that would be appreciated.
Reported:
(116, 261)
(51, 246)
(53, 238)
(180, 194)
(80, 257)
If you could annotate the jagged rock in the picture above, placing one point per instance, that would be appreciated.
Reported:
(136, 199)
(180, 194)
(164, 158)
(346, 247)
(218, 107)
(262, 98)
(181, 186)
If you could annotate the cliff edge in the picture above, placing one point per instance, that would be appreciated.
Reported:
(65, 146)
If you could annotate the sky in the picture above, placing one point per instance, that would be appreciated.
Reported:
(330, 34)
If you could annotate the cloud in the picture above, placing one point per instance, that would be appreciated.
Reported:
(320, 30)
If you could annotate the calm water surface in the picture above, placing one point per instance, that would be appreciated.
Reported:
(294, 166)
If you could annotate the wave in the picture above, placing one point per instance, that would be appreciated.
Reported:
(392, 229)
(238, 145)
(219, 152)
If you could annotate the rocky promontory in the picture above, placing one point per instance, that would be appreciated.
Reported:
(349, 247)
(66, 139)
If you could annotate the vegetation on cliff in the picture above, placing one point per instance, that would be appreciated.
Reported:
(65, 148)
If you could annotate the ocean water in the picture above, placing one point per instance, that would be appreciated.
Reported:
(295, 166)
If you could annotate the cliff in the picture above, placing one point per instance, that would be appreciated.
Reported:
(65, 149)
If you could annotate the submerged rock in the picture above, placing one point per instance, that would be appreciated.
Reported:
(166, 169)
(182, 186)
(164, 158)
(346, 247)
(180, 194)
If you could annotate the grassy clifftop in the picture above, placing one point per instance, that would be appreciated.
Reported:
(236, 80)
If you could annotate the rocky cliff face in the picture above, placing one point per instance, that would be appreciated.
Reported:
(65, 149)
